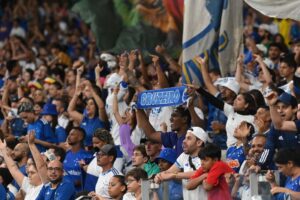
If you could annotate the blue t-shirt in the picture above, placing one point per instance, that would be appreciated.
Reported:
(215, 114)
(90, 125)
(171, 140)
(60, 133)
(235, 157)
(65, 190)
(72, 169)
(175, 190)
(18, 128)
(289, 184)
(2, 192)
(43, 131)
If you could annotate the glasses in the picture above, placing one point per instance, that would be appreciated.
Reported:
(54, 169)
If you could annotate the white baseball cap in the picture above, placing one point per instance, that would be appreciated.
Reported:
(228, 82)
(199, 133)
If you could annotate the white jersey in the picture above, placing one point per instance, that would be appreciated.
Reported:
(32, 192)
(159, 115)
(103, 182)
(182, 163)
(233, 121)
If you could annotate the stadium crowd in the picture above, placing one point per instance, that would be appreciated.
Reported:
(70, 126)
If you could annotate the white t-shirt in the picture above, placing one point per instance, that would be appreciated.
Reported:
(31, 191)
(159, 115)
(136, 135)
(233, 121)
(182, 163)
(112, 120)
(129, 196)
(63, 121)
(93, 168)
(103, 182)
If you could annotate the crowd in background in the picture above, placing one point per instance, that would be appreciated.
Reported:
(70, 126)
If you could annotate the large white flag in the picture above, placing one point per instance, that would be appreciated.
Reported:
(277, 8)
(213, 28)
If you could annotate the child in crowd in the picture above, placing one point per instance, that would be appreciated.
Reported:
(211, 174)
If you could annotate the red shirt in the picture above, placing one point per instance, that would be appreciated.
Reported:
(216, 178)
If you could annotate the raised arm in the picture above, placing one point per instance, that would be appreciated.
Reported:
(267, 75)
(206, 78)
(11, 165)
(76, 116)
(40, 163)
(145, 125)
(195, 119)
(98, 70)
(101, 105)
(116, 107)
(173, 65)
(279, 124)
(161, 77)
(239, 73)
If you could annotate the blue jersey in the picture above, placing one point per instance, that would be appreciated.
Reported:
(43, 131)
(72, 169)
(60, 133)
(235, 156)
(293, 185)
(175, 190)
(277, 139)
(90, 125)
(65, 190)
(171, 140)
(215, 114)
(18, 127)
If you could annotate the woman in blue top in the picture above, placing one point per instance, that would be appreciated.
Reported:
(288, 163)
(94, 115)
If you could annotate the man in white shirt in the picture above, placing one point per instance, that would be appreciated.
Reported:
(105, 159)
(187, 163)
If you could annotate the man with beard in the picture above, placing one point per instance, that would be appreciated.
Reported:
(180, 122)
(20, 154)
(255, 154)
(74, 155)
(45, 137)
(57, 188)
(187, 163)
(274, 55)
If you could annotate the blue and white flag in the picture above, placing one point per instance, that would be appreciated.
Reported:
(277, 8)
(213, 28)
(165, 97)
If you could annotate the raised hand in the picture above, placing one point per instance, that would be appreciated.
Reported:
(98, 69)
(160, 49)
(31, 137)
(2, 144)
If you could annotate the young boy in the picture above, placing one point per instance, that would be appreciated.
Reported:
(134, 180)
(211, 174)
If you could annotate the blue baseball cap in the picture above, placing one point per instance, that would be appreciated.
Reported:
(288, 99)
(49, 109)
(168, 154)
